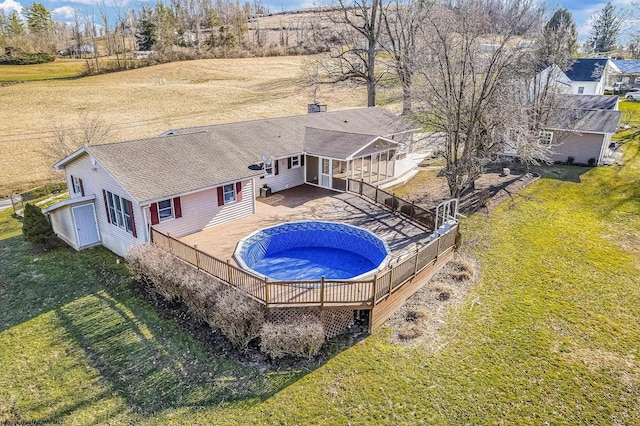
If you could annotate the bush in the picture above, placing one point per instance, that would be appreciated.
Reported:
(158, 268)
(235, 314)
(415, 324)
(21, 58)
(591, 162)
(37, 229)
(302, 339)
(570, 160)
(238, 317)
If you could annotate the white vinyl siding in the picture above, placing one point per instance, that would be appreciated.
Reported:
(95, 179)
(63, 225)
(200, 211)
(285, 179)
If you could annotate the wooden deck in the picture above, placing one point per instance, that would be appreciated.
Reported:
(415, 259)
(308, 202)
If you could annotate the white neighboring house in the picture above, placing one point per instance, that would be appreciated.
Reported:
(196, 178)
(589, 75)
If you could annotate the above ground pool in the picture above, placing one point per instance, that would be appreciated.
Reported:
(309, 250)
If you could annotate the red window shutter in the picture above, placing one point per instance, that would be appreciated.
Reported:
(81, 187)
(220, 196)
(73, 184)
(133, 220)
(289, 163)
(177, 207)
(106, 205)
(275, 168)
(154, 214)
(239, 191)
(302, 160)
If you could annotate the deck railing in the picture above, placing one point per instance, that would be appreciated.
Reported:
(421, 216)
(321, 292)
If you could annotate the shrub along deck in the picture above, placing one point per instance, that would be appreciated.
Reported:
(550, 333)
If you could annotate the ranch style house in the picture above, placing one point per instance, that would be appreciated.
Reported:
(191, 179)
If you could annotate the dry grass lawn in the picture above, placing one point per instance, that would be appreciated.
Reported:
(145, 102)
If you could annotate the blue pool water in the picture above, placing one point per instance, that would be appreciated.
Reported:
(310, 250)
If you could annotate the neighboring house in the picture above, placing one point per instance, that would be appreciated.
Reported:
(589, 75)
(196, 178)
(629, 72)
(582, 128)
(550, 78)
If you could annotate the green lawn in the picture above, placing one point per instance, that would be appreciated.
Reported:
(60, 68)
(550, 334)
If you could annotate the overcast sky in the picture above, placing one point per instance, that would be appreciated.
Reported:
(63, 9)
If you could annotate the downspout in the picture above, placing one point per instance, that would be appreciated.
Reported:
(147, 228)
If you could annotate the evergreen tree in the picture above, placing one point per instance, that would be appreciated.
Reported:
(38, 19)
(559, 39)
(605, 29)
(36, 228)
(147, 29)
(14, 26)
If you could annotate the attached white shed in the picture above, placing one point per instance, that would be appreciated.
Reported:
(74, 221)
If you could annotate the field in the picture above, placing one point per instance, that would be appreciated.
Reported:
(148, 101)
(549, 335)
(61, 68)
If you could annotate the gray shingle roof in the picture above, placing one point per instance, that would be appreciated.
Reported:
(330, 143)
(584, 120)
(196, 158)
(589, 102)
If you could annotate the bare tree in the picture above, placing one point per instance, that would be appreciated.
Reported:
(354, 37)
(91, 130)
(473, 91)
(401, 23)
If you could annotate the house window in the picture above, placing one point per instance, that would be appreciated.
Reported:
(295, 161)
(119, 212)
(77, 185)
(580, 90)
(268, 168)
(165, 210)
(229, 192)
(545, 138)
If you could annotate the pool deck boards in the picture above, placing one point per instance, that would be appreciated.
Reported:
(309, 203)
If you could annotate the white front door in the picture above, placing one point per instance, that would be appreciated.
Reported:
(325, 172)
(86, 226)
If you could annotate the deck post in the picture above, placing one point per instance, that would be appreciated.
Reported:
(150, 234)
(169, 241)
(390, 280)
(266, 290)
(229, 274)
(322, 291)
(195, 247)
(375, 284)
(360, 191)
(393, 202)
(376, 196)
(415, 270)
(438, 251)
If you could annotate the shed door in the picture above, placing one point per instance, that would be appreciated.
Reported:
(86, 227)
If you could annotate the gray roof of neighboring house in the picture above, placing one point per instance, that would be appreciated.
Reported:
(585, 120)
(605, 102)
(587, 69)
(587, 113)
(627, 66)
(196, 158)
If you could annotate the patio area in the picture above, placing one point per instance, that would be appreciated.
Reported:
(308, 202)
